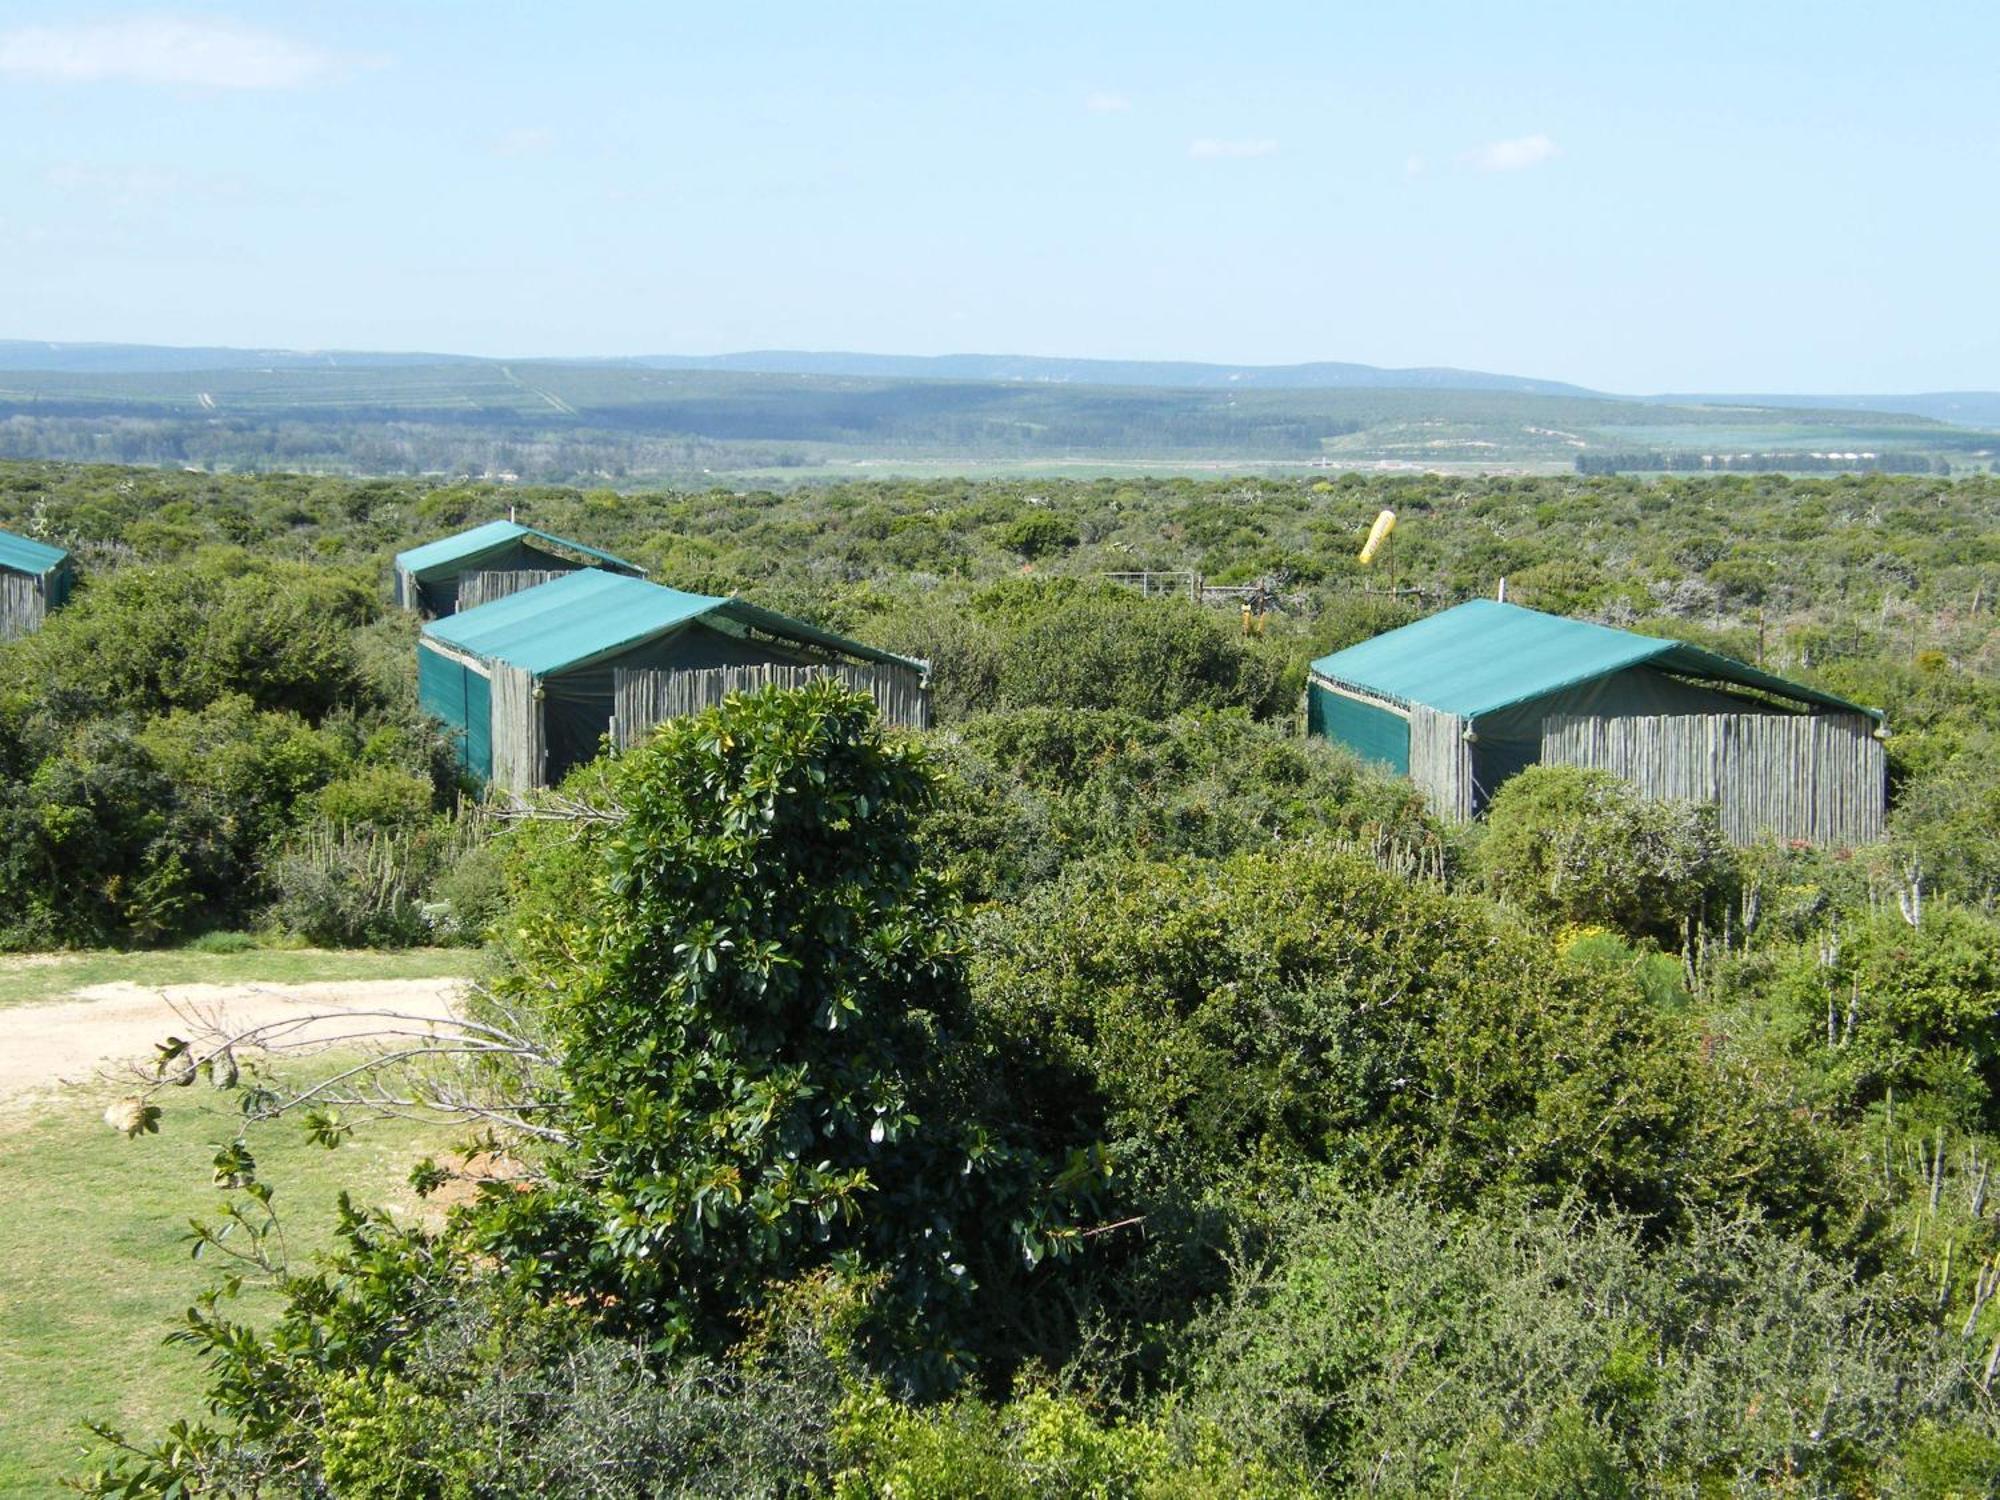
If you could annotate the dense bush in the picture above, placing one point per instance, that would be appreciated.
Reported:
(1377, 1344)
(1572, 846)
(1884, 1008)
(359, 886)
(1109, 648)
(1030, 791)
(148, 639)
(1236, 1020)
(169, 737)
(770, 1045)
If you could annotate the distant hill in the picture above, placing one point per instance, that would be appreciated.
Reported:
(620, 420)
(1961, 408)
(1155, 374)
(1979, 409)
(159, 359)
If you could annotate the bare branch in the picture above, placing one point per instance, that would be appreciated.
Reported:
(554, 807)
(428, 1056)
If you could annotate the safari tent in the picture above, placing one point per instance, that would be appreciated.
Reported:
(34, 579)
(1461, 701)
(533, 682)
(490, 562)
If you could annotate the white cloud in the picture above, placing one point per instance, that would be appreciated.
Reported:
(1209, 149)
(162, 49)
(1512, 156)
(1415, 166)
(1107, 104)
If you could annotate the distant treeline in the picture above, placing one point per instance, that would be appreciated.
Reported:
(563, 424)
(1661, 460)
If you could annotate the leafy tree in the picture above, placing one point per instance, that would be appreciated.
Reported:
(768, 1063)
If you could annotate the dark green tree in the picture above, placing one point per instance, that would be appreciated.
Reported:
(768, 1061)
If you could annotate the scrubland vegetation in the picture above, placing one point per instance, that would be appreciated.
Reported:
(1109, 1093)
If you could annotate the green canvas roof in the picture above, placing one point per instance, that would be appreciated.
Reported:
(1484, 656)
(582, 616)
(452, 552)
(20, 555)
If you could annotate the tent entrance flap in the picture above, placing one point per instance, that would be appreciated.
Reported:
(1370, 730)
(457, 693)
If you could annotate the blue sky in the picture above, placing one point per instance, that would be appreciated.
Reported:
(1744, 196)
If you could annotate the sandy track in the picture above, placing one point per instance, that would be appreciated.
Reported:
(106, 1026)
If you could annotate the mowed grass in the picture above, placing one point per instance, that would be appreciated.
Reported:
(95, 1268)
(27, 979)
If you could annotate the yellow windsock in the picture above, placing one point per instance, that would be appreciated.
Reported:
(1377, 535)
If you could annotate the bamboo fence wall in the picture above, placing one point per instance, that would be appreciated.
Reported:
(23, 605)
(475, 589)
(1441, 762)
(646, 696)
(1815, 777)
(520, 747)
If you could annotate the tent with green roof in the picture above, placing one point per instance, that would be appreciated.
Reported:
(34, 579)
(1467, 698)
(488, 562)
(532, 682)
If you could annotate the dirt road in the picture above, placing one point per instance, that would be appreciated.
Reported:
(103, 1027)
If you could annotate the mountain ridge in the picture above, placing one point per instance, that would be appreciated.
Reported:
(1973, 408)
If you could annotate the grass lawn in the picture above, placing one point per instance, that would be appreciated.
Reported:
(26, 979)
(94, 1267)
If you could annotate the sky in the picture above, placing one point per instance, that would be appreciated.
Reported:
(1737, 197)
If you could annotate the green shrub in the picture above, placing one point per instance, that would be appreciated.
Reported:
(1886, 1006)
(382, 797)
(224, 943)
(1659, 977)
(1039, 532)
(964, 654)
(1228, 1022)
(149, 639)
(1570, 846)
(1039, 1444)
(89, 853)
(473, 894)
(768, 1061)
(1030, 790)
(1110, 648)
(1375, 1341)
(345, 887)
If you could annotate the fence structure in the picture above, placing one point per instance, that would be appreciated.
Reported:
(1175, 584)
(1819, 778)
(475, 589)
(1184, 584)
(1441, 762)
(24, 604)
(645, 697)
(520, 736)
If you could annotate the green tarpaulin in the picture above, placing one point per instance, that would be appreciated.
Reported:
(1485, 656)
